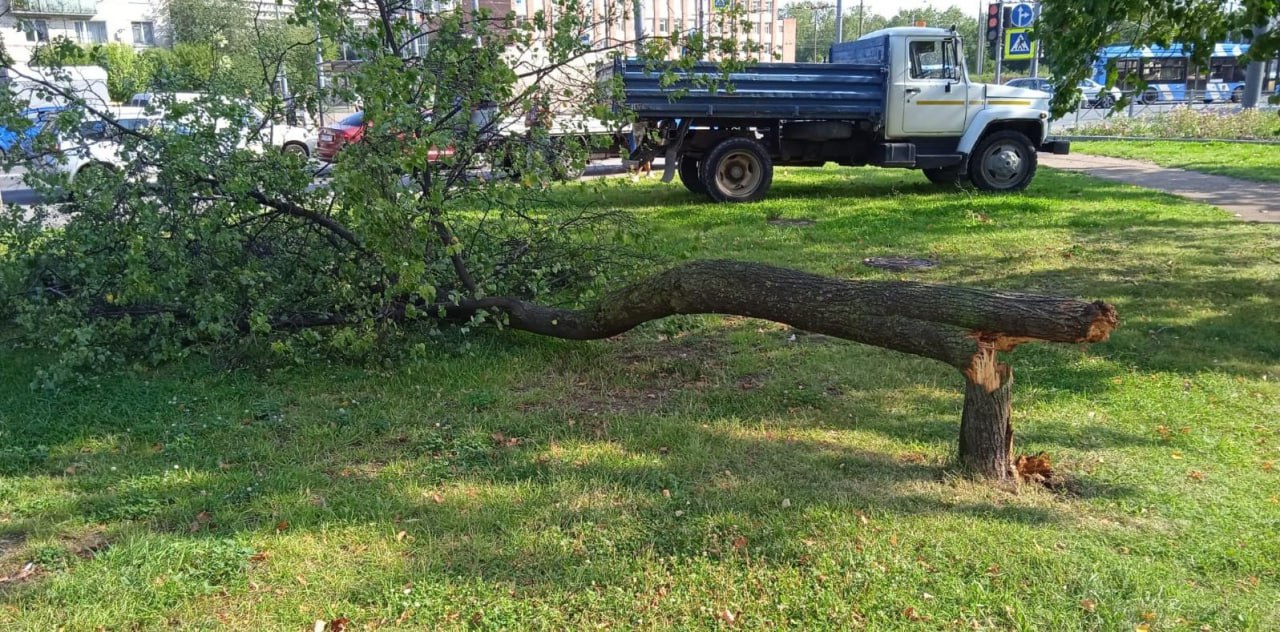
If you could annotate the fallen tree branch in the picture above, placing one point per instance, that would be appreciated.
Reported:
(963, 327)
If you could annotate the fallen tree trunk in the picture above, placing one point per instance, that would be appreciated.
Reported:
(963, 327)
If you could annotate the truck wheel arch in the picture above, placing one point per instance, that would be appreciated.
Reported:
(1003, 161)
(1035, 129)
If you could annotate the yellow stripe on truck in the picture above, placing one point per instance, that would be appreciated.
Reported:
(1008, 102)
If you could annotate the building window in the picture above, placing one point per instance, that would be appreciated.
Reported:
(663, 25)
(36, 30)
(91, 32)
(144, 34)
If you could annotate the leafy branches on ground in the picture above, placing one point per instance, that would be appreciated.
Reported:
(205, 238)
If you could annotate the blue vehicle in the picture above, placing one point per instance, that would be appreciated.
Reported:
(9, 139)
(1169, 76)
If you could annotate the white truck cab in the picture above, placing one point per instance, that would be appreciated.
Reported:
(930, 93)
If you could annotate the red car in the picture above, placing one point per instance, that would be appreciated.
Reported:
(333, 139)
(350, 130)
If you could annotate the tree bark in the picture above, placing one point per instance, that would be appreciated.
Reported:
(986, 430)
(963, 327)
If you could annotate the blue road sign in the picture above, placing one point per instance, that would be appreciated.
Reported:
(1018, 44)
(1022, 16)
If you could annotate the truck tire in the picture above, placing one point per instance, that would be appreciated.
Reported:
(566, 158)
(689, 176)
(737, 170)
(946, 176)
(1003, 161)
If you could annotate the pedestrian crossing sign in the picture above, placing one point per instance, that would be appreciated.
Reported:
(1018, 44)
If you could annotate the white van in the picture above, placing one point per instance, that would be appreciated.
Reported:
(33, 84)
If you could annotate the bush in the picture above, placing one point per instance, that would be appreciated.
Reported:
(1186, 122)
(127, 72)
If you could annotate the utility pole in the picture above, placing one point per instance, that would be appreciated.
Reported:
(861, 12)
(839, 21)
(320, 83)
(1254, 77)
(638, 10)
(982, 39)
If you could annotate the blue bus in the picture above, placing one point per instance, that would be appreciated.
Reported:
(1169, 76)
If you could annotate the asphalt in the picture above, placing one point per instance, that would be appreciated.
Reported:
(1248, 201)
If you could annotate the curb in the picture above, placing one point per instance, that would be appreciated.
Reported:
(1238, 141)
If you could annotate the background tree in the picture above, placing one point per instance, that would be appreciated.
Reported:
(813, 44)
(1074, 30)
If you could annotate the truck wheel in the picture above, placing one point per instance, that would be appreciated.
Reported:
(737, 170)
(1003, 161)
(567, 158)
(689, 176)
(945, 176)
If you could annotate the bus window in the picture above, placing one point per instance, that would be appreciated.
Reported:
(1166, 70)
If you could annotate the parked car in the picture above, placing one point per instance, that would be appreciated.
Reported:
(288, 138)
(1092, 93)
(334, 138)
(95, 147)
(11, 140)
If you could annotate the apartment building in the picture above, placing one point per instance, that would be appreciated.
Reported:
(26, 24)
(613, 22)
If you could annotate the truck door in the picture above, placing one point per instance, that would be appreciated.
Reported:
(933, 90)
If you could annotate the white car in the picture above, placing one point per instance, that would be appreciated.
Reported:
(282, 136)
(1093, 94)
(94, 147)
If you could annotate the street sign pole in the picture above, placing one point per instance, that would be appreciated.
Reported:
(1035, 56)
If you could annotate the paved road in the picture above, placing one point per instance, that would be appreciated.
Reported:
(13, 191)
(1249, 201)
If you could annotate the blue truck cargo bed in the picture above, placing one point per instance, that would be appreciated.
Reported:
(762, 91)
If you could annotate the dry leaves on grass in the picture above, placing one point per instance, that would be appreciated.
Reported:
(911, 615)
(337, 625)
(1036, 469)
(26, 571)
(503, 441)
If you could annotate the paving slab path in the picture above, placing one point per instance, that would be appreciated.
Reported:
(1248, 201)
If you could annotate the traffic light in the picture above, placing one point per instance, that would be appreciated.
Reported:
(993, 22)
(1007, 21)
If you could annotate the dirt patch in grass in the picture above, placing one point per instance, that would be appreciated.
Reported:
(641, 376)
(791, 223)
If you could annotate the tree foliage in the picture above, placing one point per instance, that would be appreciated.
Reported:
(812, 44)
(1074, 30)
(205, 239)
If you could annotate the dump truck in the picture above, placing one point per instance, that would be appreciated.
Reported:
(898, 97)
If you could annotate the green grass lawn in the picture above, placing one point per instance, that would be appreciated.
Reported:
(1260, 163)
(700, 472)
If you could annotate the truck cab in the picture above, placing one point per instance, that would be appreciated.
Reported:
(930, 93)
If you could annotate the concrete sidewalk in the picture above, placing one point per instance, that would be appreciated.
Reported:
(1249, 201)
